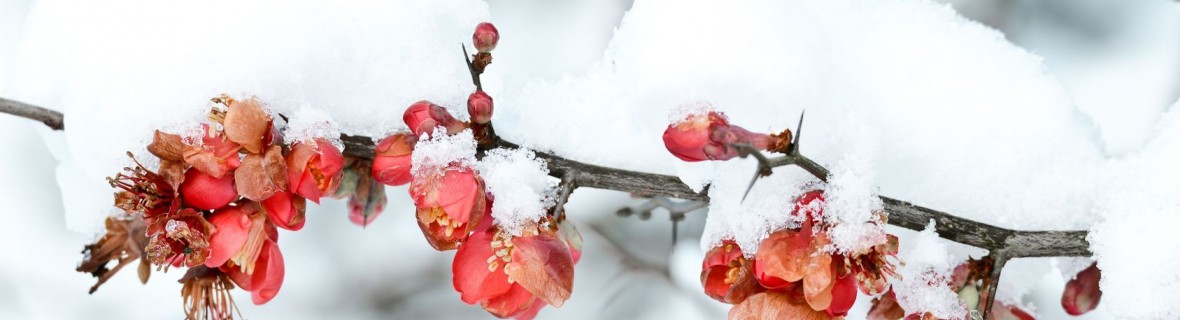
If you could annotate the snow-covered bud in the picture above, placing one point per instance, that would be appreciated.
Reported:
(205, 192)
(423, 116)
(392, 159)
(486, 36)
(1082, 293)
(479, 106)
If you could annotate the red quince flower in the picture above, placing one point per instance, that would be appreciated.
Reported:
(182, 238)
(314, 169)
(450, 204)
(146, 192)
(727, 275)
(486, 36)
(286, 210)
(392, 159)
(423, 116)
(1082, 293)
(205, 192)
(216, 156)
(479, 106)
(509, 275)
(709, 136)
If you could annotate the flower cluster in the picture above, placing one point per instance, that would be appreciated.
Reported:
(509, 274)
(797, 270)
(214, 206)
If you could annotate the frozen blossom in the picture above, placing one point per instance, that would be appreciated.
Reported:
(520, 186)
(924, 282)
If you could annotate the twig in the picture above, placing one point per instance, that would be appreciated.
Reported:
(51, 118)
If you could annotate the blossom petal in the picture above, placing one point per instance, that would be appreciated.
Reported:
(233, 227)
(543, 265)
(167, 146)
(286, 210)
(206, 192)
(510, 304)
(268, 273)
(260, 176)
(474, 277)
(1082, 293)
(246, 123)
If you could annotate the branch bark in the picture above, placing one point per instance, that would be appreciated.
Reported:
(53, 119)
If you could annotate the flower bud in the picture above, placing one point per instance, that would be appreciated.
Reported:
(486, 36)
(709, 136)
(205, 192)
(423, 116)
(479, 106)
(392, 159)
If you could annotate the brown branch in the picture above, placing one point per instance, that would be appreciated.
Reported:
(50, 118)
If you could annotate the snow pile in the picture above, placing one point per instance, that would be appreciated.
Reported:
(521, 187)
(852, 206)
(308, 124)
(434, 153)
(139, 65)
(767, 208)
(1133, 243)
(923, 284)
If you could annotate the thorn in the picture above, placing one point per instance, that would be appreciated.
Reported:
(798, 132)
(764, 168)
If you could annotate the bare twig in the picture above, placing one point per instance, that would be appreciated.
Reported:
(52, 119)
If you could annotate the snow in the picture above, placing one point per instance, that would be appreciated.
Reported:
(434, 153)
(308, 124)
(923, 285)
(1139, 215)
(852, 204)
(903, 98)
(521, 186)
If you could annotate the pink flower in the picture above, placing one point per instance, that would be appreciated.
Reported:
(486, 36)
(513, 276)
(314, 170)
(286, 210)
(392, 159)
(726, 275)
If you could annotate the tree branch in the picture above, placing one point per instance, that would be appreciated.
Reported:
(50, 118)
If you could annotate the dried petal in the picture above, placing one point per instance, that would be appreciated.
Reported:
(167, 146)
(820, 278)
(885, 307)
(774, 305)
(262, 175)
(542, 265)
(216, 156)
(246, 123)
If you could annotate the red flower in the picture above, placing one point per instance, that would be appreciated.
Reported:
(244, 248)
(486, 36)
(510, 275)
(286, 210)
(392, 159)
(314, 170)
(1082, 293)
(146, 192)
(216, 156)
(709, 136)
(449, 204)
(423, 116)
(205, 192)
(479, 106)
(726, 274)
